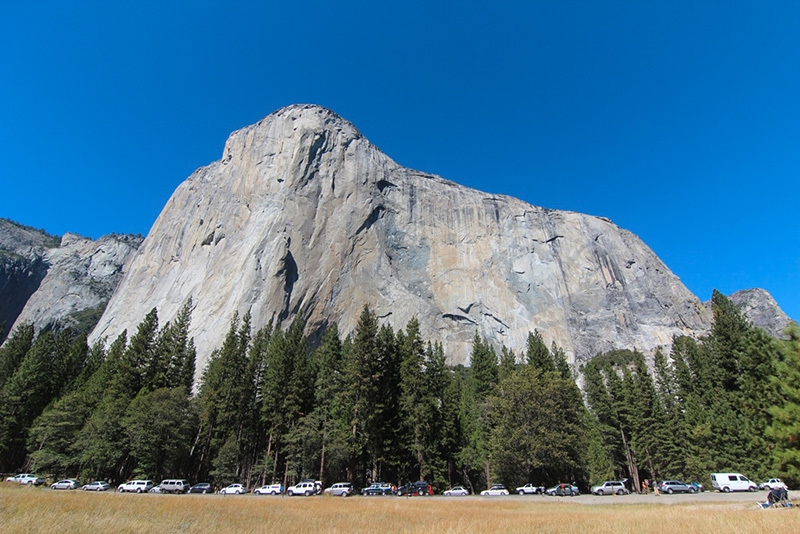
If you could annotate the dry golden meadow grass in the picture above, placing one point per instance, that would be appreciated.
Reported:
(31, 510)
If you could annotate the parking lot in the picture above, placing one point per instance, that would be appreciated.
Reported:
(707, 497)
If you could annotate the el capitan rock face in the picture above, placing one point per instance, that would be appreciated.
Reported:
(302, 215)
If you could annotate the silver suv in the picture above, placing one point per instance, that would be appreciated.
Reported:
(175, 486)
(342, 489)
(610, 487)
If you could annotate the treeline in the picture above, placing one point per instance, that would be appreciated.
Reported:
(381, 404)
(728, 402)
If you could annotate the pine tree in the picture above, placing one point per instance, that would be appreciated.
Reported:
(13, 351)
(34, 384)
(159, 427)
(508, 363)
(537, 353)
(537, 429)
(784, 429)
(361, 394)
(415, 402)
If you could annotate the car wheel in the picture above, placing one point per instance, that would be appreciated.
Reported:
(138, 490)
(726, 489)
(307, 494)
(751, 489)
(600, 492)
(521, 492)
(669, 490)
(691, 489)
(620, 492)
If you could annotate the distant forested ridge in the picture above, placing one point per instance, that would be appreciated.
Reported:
(383, 405)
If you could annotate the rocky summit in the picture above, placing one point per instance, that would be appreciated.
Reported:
(303, 216)
(51, 281)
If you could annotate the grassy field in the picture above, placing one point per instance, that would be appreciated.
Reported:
(31, 510)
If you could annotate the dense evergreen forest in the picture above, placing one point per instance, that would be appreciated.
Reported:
(383, 405)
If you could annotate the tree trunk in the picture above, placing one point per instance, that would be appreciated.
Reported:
(633, 470)
(322, 465)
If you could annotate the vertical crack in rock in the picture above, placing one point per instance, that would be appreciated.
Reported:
(315, 152)
(289, 272)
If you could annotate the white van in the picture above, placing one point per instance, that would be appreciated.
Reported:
(732, 482)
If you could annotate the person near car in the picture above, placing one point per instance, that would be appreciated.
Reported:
(644, 487)
(655, 487)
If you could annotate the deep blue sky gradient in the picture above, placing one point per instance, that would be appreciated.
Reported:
(679, 121)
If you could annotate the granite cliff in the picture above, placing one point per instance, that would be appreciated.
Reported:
(57, 282)
(762, 310)
(304, 216)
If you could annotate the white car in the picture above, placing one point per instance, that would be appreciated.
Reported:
(772, 484)
(269, 489)
(303, 488)
(495, 490)
(457, 491)
(233, 489)
(66, 484)
(135, 486)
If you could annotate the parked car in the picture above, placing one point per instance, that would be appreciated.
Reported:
(676, 486)
(699, 488)
(28, 479)
(16, 478)
(66, 484)
(135, 486)
(458, 491)
(609, 487)
(302, 488)
(378, 488)
(732, 482)
(563, 490)
(495, 490)
(340, 489)
(269, 489)
(179, 485)
(420, 487)
(233, 489)
(772, 483)
(201, 487)
(528, 489)
(97, 485)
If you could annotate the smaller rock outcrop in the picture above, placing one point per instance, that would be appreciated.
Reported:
(58, 282)
(762, 310)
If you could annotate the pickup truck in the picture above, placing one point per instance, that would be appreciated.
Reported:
(27, 479)
(529, 489)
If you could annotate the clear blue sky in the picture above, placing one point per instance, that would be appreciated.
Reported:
(680, 121)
